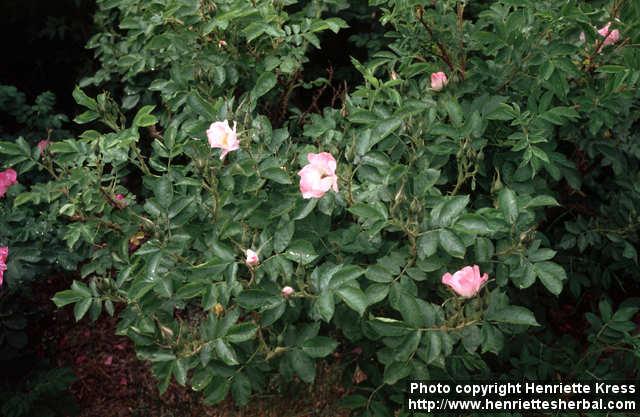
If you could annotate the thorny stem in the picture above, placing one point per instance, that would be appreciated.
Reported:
(443, 51)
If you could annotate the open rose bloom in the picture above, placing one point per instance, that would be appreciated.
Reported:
(7, 179)
(465, 282)
(319, 176)
(4, 253)
(439, 80)
(610, 36)
(220, 135)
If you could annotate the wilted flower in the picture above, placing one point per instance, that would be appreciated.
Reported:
(252, 258)
(220, 135)
(4, 253)
(466, 282)
(287, 291)
(42, 145)
(218, 309)
(7, 179)
(582, 37)
(438, 80)
(319, 176)
(222, 43)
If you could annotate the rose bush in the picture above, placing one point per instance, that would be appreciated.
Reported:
(312, 233)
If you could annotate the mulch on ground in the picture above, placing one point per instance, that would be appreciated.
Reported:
(112, 382)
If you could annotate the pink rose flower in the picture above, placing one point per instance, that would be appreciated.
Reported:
(7, 179)
(121, 201)
(4, 253)
(438, 80)
(610, 37)
(221, 136)
(287, 291)
(252, 258)
(42, 145)
(466, 282)
(319, 176)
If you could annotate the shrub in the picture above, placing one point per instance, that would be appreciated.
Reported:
(480, 134)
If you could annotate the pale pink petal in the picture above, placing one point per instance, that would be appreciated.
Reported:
(465, 282)
(252, 258)
(438, 80)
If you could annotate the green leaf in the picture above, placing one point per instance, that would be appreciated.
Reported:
(180, 371)
(255, 299)
(190, 290)
(225, 352)
(319, 346)
(84, 100)
(65, 297)
(241, 332)
(378, 273)
(427, 244)
(354, 298)
(434, 346)
(201, 379)
(283, 235)
(303, 365)
(449, 210)
(513, 315)
(559, 115)
(611, 69)
(303, 211)
(353, 401)
(217, 390)
(473, 223)
(81, 308)
(241, 389)
(265, 82)
(384, 128)
(408, 307)
(540, 201)
(345, 275)
(508, 205)
(143, 118)
(451, 243)
(454, 110)
(389, 327)
(396, 371)
(201, 106)
(492, 339)
(376, 293)
(276, 174)
(551, 275)
(86, 117)
(163, 190)
(471, 338)
(325, 306)
(301, 251)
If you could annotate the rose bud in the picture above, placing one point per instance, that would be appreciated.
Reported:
(252, 258)
(287, 291)
(439, 80)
